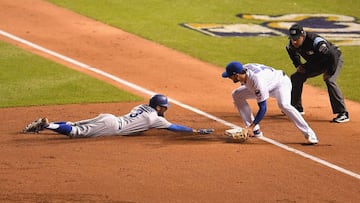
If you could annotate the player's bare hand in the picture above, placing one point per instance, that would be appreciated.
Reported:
(249, 131)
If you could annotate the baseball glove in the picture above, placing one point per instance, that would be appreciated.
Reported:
(238, 135)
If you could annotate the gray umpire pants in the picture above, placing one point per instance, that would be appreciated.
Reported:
(335, 94)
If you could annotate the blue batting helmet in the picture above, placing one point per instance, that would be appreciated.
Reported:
(158, 100)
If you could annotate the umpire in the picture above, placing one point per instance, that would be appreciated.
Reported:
(321, 57)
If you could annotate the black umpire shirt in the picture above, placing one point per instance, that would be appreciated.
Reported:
(317, 59)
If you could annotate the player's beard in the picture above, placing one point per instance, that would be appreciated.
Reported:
(161, 114)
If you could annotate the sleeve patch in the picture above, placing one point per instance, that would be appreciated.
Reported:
(257, 93)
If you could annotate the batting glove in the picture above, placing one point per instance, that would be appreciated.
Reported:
(204, 131)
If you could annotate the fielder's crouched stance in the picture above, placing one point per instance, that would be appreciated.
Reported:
(140, 118)
(261, 82)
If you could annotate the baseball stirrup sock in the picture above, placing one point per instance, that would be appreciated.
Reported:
(60, 128)
(60, 122)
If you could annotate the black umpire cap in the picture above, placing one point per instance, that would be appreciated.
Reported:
(295, 31)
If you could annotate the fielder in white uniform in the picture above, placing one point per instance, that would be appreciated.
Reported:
(261, 82)
(139, 119)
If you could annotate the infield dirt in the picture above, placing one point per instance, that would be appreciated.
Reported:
(160, 166)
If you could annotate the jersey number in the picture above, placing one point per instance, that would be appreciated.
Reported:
(257, 68)
(138, 112)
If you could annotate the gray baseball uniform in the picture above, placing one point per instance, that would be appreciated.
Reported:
(141, 118)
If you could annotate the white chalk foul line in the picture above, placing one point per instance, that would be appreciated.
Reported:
(185, 106)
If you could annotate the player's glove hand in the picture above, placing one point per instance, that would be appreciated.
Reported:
(204, 131)
(238, 135)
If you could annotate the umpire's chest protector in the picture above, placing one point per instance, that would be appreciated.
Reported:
(308, 49)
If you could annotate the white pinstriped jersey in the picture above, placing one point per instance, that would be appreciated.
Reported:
(262, 79)
(263, 82)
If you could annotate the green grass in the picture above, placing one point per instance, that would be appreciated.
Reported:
(27, 79)
(159, 21)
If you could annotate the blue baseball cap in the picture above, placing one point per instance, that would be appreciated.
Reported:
(232, 69)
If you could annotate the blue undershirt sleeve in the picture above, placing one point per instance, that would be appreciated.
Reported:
(179, 128)
(261, 113)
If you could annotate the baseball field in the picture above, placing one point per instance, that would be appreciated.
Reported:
(72, 60)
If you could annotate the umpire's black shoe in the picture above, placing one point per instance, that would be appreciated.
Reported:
(300, 109)
(342, 118)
